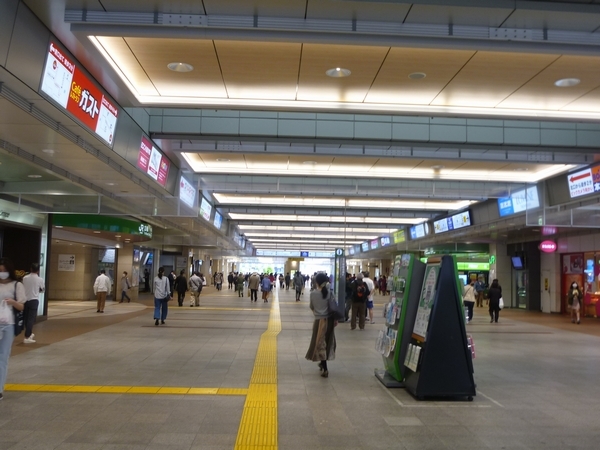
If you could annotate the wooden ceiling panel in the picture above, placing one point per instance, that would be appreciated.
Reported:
(154, 55)
(359, 10)
(588, 102)
(393, 85)
(541, 93)
(490, 77)
(458, 15)
(362, 61)
(121, 54)
(259, 70)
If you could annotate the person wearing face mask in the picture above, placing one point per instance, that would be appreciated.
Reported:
(162, 295)
(124, 288)
(575, 297)
(12, 296)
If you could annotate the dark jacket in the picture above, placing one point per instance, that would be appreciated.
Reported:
(494, 294)
(181, 284)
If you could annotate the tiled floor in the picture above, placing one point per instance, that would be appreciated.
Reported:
(537, 384)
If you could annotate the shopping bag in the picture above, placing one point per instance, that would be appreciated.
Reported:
(6, 313)
(501, 303)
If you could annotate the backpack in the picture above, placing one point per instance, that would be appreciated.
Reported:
(361, 292)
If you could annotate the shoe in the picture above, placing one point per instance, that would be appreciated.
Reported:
(491, 321)
(372, 322)
(325, 374)
(1, 396)
(101, 312)
(121, 301)
(28, 340)
(129, 301)
(32, 336)
(578, 322)
(162, 322)
(98, 311)
(156, 322)
(320, 365)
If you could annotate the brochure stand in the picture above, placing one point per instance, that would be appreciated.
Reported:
(400, 314)
(438, 362)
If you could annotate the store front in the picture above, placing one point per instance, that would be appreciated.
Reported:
(584, 269)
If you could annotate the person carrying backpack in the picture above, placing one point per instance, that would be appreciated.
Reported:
(360, 295)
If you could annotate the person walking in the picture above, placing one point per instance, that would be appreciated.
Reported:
(479, 289)
(181, 287)
(348, 291)
(288, 280)
(370, 300)
(239, 285)
(298, 285)
(253, 283)
(162, 295)
(195, 286)
(12, 296)
(469, 299)
(34, 285)
(218, 280)
(266, 286)
(146, 280)
(360, 296)
(125, 285)
(230, 280)
(102, 288)
(574, 298)
(322, 343)
(494, 295)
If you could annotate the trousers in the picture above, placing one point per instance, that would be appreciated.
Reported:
(359, 308)
(7, 335)
(100, 300)
(161, 308)
(29, 315)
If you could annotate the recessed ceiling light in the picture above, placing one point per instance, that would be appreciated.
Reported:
(97, 232)
(180, 67)
(310, 163)
(58, 226)
(437, 167)
(117, 235)
(417, 75)
(567, 82)
(521, 169)
(34, 176)
(223, 159)
(111, 184)
(48, 150)
(338, 72)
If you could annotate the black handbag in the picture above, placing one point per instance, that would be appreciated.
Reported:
(19, 322)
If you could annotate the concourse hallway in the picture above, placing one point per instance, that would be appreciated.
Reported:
(232, 374)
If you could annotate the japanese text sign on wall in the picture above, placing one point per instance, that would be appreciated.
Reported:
(584, 182)
(152, 162)
(75, 92)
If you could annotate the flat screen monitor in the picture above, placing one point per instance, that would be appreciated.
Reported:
(365, 246)
(205, 209)
(218, 220)
(517, 262)
(463, 279)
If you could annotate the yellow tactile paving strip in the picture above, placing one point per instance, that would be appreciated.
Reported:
(258, 427)
(65, 388)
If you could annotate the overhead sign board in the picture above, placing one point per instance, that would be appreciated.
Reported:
(584, 182)
(66, 84)
(519, 201)
(187, 192)
(218, 220)
(419, 231)
(460, 220)
(153, 162)
(205, 209)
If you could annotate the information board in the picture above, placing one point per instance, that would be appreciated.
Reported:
(152, 162)
(67, 85)
(187, 193)
(519, 201)
(218, 220)
(584, 182)
(206, 209)
(460, 220)
(426, 301)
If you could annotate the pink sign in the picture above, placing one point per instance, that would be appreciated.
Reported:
(548, 246)
(153, 162)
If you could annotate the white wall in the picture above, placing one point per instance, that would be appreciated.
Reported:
(550, 266)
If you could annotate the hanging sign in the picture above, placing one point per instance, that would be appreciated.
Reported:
(74, 91)
(548, 246)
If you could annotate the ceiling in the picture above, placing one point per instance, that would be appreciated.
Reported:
(268, 67)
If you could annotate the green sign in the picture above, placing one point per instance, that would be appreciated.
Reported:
(399, 236)
(492, 259)
(472, 266)
(103, 223)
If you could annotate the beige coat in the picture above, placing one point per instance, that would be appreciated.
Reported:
(253, 281)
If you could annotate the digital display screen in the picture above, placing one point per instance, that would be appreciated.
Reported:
(187, 193)
(517, 262)
(463, 279)
(205, 209)
(365, 246)
(218, 220)
(419, 231)
(374, 244)
(68, 86)
(385, 241)
(152, 162)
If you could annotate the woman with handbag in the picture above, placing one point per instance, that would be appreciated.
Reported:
(322, 344)
(162, 295)
(12, 299)
(469, 299)
(494, 296)
(574, 299)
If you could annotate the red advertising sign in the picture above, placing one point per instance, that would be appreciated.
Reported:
(72, 89)
(152, 162)
(548, 246)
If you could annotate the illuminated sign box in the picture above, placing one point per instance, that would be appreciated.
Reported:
(454, 222)
(364, 246)
(519, 201)
(385, 240)
(584, 182)
(68, 86)
(187, 193)
(152, 162)
(374, 244)
(218, 220)
(419, 231)
(205, 209)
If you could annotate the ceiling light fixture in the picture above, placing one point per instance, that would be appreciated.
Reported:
(417, 75)
(48, 151)
(180, 67)
(437, 167)
(97, 232)
(34, 176)
(223, 159)
(111, 184)
(310, 163)
(117, 235)
(338, 72)
(567, 82)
